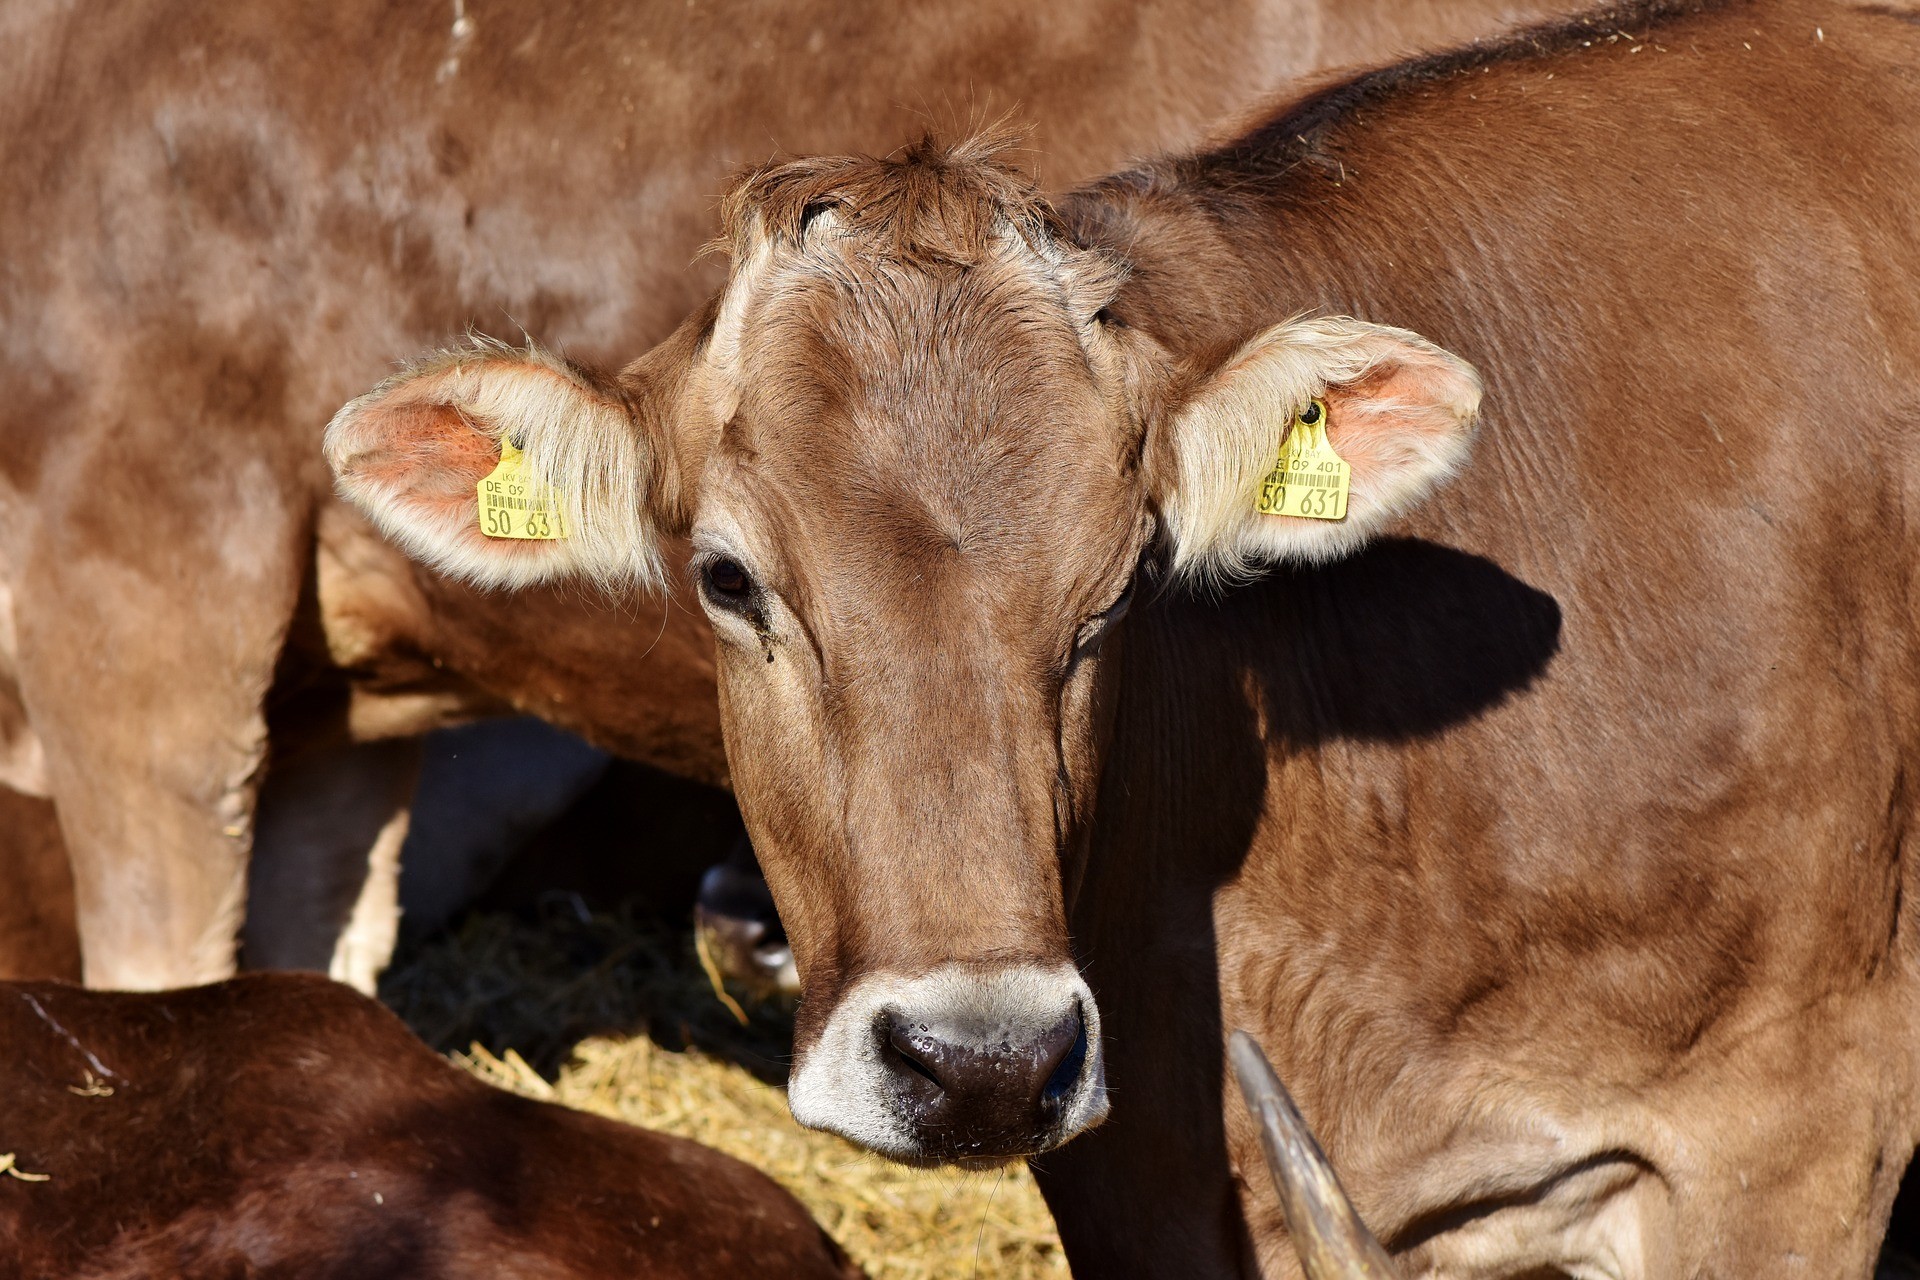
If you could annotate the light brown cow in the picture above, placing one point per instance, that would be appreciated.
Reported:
(217, 220)
(282, 1125)
(1554, 845)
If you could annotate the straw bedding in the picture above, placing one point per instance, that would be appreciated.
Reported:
(612, 1014)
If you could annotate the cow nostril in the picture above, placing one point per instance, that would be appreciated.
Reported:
(899, 1039)
(1067, 1074)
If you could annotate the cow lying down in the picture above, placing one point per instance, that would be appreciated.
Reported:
(280, 1124)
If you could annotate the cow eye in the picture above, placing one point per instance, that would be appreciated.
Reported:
(1096, 627)
(726, 582)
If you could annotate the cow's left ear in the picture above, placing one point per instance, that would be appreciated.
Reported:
(1399, 412)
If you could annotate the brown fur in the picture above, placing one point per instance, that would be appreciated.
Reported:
(1556, 851)
(281, 1125)
(37, 936)
(217, 220)
(1553, 846)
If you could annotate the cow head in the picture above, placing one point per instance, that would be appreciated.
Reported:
(920, 470)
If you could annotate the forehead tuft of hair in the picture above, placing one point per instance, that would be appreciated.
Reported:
(931, 204)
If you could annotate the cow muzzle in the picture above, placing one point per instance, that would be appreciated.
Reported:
(963, 1065)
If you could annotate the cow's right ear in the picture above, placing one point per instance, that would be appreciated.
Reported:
(505, 467)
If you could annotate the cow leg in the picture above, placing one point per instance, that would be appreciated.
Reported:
(158, 843)
(155, 800)
(152, 591)
(365, 946)
(37, 935)
(323, 887)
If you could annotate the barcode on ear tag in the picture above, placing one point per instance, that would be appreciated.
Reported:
(1309, 480)
(512, 507)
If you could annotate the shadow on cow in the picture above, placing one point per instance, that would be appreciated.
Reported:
(1396, 644)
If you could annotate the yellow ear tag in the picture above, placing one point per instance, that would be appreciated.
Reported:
(1310, 480)
(510, 506)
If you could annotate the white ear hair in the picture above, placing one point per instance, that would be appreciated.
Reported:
(1400, 413)
(410, 451)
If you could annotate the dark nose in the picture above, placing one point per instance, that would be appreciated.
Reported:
(989, 1100)
(739, 933)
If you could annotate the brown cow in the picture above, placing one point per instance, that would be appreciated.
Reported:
(1331, 1240)
(36, 893)
(282, 1125)
(217, 220)
(1553, 845)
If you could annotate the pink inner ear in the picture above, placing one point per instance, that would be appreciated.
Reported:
(1403, 411)
(426, 450)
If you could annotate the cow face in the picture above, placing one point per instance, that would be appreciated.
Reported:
(919, 471)
(912, 555)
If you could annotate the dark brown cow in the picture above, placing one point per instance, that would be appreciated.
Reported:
(217, 220)
(1553, 844)
(282, 1125)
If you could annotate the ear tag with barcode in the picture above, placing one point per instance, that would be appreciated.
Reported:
(511, 506)
(1310, 480)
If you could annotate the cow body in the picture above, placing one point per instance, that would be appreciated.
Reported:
(1552, 844)
(280, 1124)
(218, 222)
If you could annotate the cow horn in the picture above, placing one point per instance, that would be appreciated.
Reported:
(1332, 1241)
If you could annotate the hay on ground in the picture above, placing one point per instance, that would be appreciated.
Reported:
(909, 1224)
(612, 1014)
